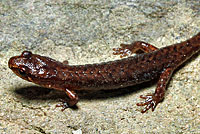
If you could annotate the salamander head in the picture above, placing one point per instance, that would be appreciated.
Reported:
(32, 67)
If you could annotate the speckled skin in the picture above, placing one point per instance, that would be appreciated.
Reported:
(155, 63)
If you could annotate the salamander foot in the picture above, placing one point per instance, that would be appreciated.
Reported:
(123, 50)
(151, 101)
(63, 104)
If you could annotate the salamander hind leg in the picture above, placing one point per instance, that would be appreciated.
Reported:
(128, 49)
(73, 99)
(152, 100)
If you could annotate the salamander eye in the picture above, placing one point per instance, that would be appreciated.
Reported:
(26, 54)
(22, 72)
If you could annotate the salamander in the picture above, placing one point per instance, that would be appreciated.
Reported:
(151, 63)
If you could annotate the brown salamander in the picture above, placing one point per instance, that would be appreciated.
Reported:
(152, 63)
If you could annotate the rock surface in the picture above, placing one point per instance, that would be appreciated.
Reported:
(85, 32)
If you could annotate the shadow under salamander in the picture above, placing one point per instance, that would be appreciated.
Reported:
(40, 93)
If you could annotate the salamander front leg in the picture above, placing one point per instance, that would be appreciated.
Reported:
(152, 100)
(73, 99)
(128, 49)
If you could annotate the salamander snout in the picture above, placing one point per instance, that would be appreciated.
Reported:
(11, 62)
(19, 64)
(16, 61)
